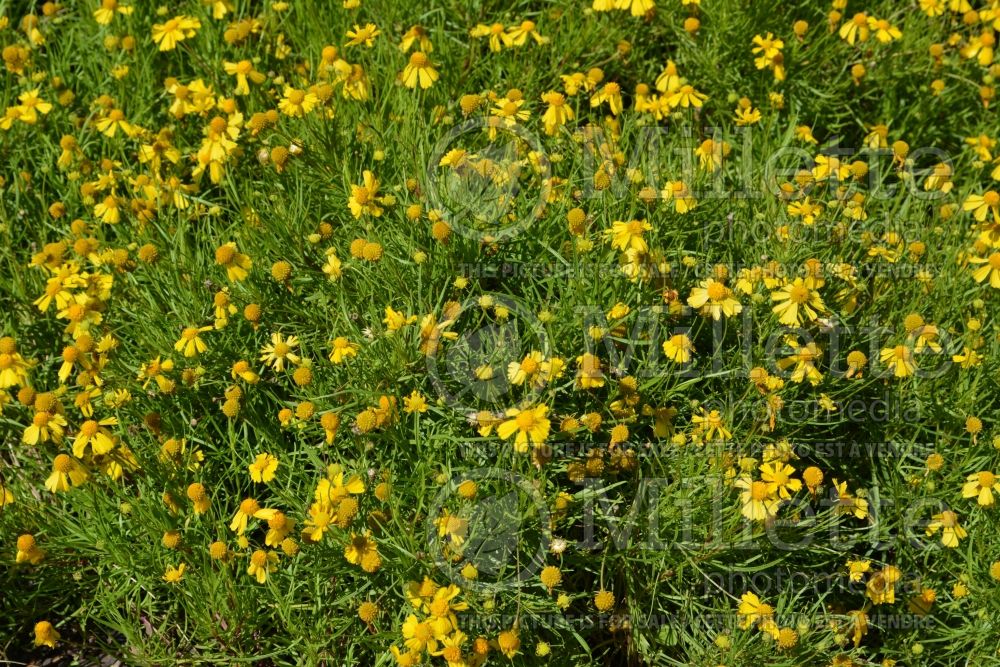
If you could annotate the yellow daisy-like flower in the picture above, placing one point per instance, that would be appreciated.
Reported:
(168, 35)
(796, 303)
(981, 486)
(419, 71)
(530, 424)
(947, 523)
(263, 468)
(190, 342)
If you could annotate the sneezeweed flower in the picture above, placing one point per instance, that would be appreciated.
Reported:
(947, 523)
(191, 342)
(757, 500)
(610, 94)
(245, 73)
(248, 509)
(364, 199)
(711, 425)
(362, 550)
(589, 374)
(198, 496)
(173, 575)
(46, 634)
(754, 612)
(881, 587)
(94, 435)
(778, 477)
(237, 264)
(262, 563)
(519, 34)
(509, 642)
(66, 472)
(297, 103)
(981, 486)
(678, 348)
(898, 360)
(557, 114)
(628, 235)
(28, 550)
(986, 204)
(419, 71)
(31, 106)
(797, 302)
(105, 13)
(989, 269)
(365, 35)
(45, 427)
(846, 503)
(263, 468)
(415, 402)
(715, 299)
(342, 349)
(679, 193)
(280, 351)
(168, 35)
(529, 424)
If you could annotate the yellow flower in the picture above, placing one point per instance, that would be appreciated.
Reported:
(297, 103)
(678, 348)
(419, 635)
(947, 523)
(610, 93)
(32, 105)
(715, 298)
(236, 263)
(342, 349)
(898, 360)
(759, 503)
(518, 35)
(419, 71)
(529, 424)
(778, 477)
(107, 10)
(983, 205)
(364, 199)
(981, 486)
(680, 194)
(558, 112)
(177, 29)
(363, 35)
(797, 302)
(190, 342)
(990, 269)
(262, 563)
(753, 611)
(711, 425)
(263, 468)
(589, 374)
(415, 402)
(93, 434)
(629, 235)
(248, 509)
(279, 351)
(66, 472)
(45, 634)
(173, 574)
(395, 320)
(847, 503)
(362, 550)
